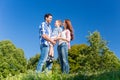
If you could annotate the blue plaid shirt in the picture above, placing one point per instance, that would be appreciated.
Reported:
(44, 28)
(56, 31)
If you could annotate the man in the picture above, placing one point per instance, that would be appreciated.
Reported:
(45, 33)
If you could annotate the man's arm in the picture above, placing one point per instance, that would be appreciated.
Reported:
(44, 35)
(48, 39)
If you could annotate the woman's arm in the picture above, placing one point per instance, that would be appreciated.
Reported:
(64, 39)
(67, 37)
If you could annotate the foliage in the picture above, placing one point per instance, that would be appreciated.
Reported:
(94, 57)
(92, 61)
(12, 60)
(33, 61)
(30, 75)
(56, 67)
(77, 57)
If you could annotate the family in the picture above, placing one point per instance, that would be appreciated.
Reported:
(49, 38)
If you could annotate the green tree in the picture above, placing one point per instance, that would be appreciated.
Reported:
(77, 57)
(33, 61)
(100, 57)
(12, 59)
(94, 57)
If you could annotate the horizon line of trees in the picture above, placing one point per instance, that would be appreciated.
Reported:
(93, 57)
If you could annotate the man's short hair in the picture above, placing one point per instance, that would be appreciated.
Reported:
(47, 15)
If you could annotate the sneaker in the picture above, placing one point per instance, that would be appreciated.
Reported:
(48, 58)
(51, 59)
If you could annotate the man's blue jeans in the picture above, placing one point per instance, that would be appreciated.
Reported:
(63, 57)
(43, 57)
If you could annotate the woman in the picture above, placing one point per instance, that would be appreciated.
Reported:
(64, 44)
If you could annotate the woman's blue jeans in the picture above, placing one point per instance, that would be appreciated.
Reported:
(63, 57)
(43, 57)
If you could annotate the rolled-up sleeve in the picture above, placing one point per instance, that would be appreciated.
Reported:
(42, 30)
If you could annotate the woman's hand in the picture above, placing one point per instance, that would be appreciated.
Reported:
(60, 38)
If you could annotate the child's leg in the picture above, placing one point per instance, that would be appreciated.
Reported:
(51, 52)
(50, 58)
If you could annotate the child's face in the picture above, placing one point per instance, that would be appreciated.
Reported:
(64, 24)
(57, 23)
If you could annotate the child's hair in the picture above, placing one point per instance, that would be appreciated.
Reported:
(60, 22)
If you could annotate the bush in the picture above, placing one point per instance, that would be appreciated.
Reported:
(12, 60)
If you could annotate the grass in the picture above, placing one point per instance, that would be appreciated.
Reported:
(31, 75)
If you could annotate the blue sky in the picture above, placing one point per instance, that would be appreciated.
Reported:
(20, 19)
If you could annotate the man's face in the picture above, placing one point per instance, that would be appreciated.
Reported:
(49, 19)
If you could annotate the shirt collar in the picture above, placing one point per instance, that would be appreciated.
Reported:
(47, 23)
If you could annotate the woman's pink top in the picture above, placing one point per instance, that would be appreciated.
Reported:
(66, 35)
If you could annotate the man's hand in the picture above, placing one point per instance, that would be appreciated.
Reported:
(48, 39)
(53, 42)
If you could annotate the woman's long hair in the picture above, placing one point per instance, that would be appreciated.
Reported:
(69, 27)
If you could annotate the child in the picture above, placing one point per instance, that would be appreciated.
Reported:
(55, 34)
